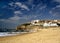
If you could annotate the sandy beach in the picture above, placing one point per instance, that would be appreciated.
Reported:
(42, 36)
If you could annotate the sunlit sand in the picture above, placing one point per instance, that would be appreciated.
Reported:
(50, 35)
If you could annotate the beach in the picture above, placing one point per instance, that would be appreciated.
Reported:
(42, 36)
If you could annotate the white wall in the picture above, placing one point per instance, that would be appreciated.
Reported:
(50, 24)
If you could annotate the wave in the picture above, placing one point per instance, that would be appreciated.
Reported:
(2, 34)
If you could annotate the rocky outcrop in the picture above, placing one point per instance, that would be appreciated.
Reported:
(35, 26)
(28, 27)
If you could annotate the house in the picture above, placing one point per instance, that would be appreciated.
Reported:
(49, 24)
(35, 22)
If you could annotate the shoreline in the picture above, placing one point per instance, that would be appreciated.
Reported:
(42, 36)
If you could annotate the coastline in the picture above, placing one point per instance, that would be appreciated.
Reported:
(42, 36)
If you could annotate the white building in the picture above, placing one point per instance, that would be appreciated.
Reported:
(35, 22)
(49, 24)
(55, 20)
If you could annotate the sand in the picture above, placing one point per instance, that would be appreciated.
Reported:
(42, 36)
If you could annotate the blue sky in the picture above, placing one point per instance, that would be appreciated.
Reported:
(15, 12)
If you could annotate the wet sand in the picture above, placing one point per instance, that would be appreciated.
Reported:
(42, 36)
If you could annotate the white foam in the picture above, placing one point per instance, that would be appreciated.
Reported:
(7, 34)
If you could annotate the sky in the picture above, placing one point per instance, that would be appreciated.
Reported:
(16, 12)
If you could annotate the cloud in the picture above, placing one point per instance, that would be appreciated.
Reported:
(55, 11)
(57, 1)
(11, 4)
(14, 18)
(30, 1)
(23, 6)
(17, 18)
(2, 19)
(11, 19)
(1, 14)
(6, 21)
(17, 12)
(4, 6)
(57, 6)
(42, 7)
(19, 4)
(12, 22)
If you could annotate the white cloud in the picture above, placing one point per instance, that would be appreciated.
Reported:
(11, 19)
(57, 1)
(25, 7)
(1, 14)
(50, 12)
(33, 6)
(30, 1)
(11, 4)
(42, 7)
(22, 5)
(17, 18)
(17, 12)
(14, 18)
(57, 6)
(55, 11)
(2, 19)
(19, 4)
(4, 6)
(5, 20)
